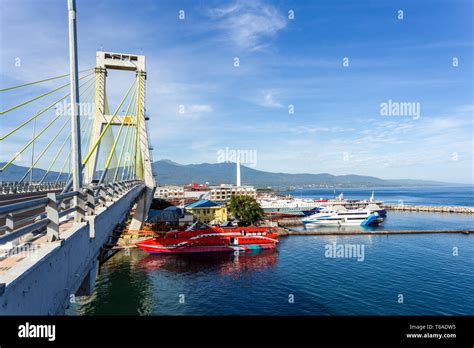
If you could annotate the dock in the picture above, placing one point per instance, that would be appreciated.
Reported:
(282, 231)
(129, 238)
(430, 208)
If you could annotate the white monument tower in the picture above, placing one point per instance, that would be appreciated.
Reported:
(238, 171)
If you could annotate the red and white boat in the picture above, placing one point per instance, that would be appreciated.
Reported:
(212, 239)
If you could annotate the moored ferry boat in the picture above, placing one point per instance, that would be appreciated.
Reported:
(293, 207)
(288, 207)
(351, 204)
(340, 216)
(212, 239)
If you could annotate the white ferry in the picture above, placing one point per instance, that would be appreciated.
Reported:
(289, 206)
(341, 216)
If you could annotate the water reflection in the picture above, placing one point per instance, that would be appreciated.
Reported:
(222, 263)
(119, 280)
(259, 283)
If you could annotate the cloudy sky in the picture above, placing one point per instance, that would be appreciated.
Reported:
(333, 63)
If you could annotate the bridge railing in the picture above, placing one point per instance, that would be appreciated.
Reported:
(48, 213)
(13, 187)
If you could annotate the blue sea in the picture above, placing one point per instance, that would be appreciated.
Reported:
(420, 274)
(442, 195)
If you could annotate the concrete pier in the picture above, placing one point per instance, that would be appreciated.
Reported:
(282, 231)
(430, 208)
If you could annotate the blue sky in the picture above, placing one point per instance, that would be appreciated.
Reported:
(337, 126)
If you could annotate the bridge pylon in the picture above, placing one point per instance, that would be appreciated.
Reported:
(139, 163)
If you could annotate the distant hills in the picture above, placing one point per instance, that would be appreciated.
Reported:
(169, 172)
(15, 173)
(172, 173)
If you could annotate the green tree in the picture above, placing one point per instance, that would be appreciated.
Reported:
(246, 209)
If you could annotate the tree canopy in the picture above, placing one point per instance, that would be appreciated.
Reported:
(246, 209)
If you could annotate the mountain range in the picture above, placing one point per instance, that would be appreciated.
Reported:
(169, 172)
(172, 173)
(15, 173)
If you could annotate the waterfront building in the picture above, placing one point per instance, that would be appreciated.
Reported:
(189, 191)
(224, 192)
(169, 191)
(196, 191)
(196, 187)
(207, 211)
(218, 193)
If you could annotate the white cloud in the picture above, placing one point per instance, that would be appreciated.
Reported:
(311, 129)
(466, 109)
(198, 108)
(268, 100)
(194, 111)
(249, 23)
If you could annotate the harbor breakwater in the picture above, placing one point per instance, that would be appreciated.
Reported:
(283, 231)
(430, 208)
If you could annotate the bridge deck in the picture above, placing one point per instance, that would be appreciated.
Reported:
(29, 248)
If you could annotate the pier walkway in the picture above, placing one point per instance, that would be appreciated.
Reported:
(430, 208)
(284, 231)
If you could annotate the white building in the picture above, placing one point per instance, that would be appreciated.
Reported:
(169, 191)
(223, 192)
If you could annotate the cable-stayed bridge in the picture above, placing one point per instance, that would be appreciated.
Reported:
(97, 173)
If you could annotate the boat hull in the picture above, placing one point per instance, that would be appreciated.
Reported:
(332, 219)
(158, 249)
(337, 223)
(211, 239)
(284, 215)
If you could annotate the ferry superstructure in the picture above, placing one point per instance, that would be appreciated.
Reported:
(340, 216)
(290, 207)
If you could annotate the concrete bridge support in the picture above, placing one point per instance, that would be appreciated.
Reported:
(45, 283)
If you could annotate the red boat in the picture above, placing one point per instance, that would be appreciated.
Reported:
(211, 239)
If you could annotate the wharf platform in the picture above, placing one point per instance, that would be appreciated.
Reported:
(283, 231)
(430, 208)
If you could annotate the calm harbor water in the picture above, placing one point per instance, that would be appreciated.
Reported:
(422, 268)
(425, 269)
(455, 196)
(398, 220)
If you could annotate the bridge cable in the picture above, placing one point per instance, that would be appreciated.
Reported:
(30, 169)
(122, 148)
(33, 83)
(41, 112)
(94, 147)
(68, 185)
(131, 145)
(64, 165)
(83, 131)
(114, 145)
(129, 126)
(138, 154)
(50, 143)
(36, 137)
(128, 158)
(38, 97)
